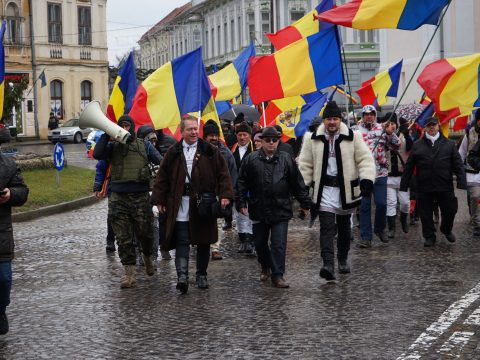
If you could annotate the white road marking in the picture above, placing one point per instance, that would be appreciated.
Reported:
(438, 328)
(474, 318)
(456, 342)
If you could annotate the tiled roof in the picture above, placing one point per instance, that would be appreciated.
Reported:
(167, 19)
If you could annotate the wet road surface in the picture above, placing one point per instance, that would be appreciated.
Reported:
(400, 301)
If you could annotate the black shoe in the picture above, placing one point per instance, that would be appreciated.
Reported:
(404, 222)
(429, 242)
(451, 237)
(182, 284)
(381, 236)
(227, 225)
(476, 232)
(327, 272)
(364, 243)
(343, 267)
(3, 324)
(110, 247)
(202, 282)
(241, 248)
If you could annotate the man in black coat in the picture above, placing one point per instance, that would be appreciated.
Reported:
(270, 177)
(13, 192)
(435, 159)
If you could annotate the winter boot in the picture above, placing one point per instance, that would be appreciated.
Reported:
(242, 247)
(391, 226)
(128, 280)
(181, 265)
(249, 245)
(404, 222)
(149, 267)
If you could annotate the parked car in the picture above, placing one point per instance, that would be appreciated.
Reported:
(93, 138)
(69, 131)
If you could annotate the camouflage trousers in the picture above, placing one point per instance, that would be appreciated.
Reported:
(131, 214)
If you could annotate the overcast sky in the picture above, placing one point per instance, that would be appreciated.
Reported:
(128, 20)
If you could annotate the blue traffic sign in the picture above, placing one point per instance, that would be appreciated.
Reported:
(58, 156)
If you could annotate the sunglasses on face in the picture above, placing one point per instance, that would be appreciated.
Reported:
(270, 140)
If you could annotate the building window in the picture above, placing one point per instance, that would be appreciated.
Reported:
(56, 95)
(84, 26)
(207, 50)
(225, 38)
(232, 35)
(240, 34)
(251, 26)
(296, 15)
(54, 23)
(197, 41)
(219, 43)
(265, 27)
(212, 42)
(85, 93)
(13, 24)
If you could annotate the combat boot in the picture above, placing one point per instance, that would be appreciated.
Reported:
(404, 222)
(149, 267)
(181, 265)
(391, 226)
(128, 280)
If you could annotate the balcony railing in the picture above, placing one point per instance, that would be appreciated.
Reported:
(55, 51)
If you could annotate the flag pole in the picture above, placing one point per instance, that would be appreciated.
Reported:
(348, 84)
(420, 61)
(34, 83)
(264, 115)
(415, 70)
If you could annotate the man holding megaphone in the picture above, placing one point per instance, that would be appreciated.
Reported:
(131, 211)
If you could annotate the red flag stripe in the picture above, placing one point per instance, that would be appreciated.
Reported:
(284, 37)
(268, 70)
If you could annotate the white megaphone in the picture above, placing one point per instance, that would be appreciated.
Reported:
(93, 116)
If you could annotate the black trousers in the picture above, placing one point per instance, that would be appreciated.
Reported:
(330, 223)
(181, 233)
(448, 204)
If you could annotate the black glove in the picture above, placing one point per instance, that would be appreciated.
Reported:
(366, 187)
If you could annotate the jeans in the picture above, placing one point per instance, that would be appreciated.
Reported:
(5, 284)
(380, 198)
(329, 223)
(448, 204)
(273, 256)
(181, 234)
(474, 198)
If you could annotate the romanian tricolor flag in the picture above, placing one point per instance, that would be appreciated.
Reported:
(294, 121)
(2, 67)
(386, 14)
(375, 90)
(229, 82)
(123, 90)
(453, 85)
(280, 106)
(303, 67)
(302, 28)
(173, 90)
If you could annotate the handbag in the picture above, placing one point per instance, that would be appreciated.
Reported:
(208, 207)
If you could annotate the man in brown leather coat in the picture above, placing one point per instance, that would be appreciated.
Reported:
(190, 167)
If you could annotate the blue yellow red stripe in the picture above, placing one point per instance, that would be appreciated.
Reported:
(303, 67)
(386, 14)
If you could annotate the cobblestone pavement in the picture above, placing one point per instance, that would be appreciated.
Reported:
(400, 301)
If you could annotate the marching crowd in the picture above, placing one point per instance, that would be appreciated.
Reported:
(253, 179)
(340, 170)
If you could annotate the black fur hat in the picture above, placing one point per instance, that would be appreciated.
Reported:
(243, 127)
(210, 128)
(332, 110)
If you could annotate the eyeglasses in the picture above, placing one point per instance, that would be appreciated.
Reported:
(270, 140)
